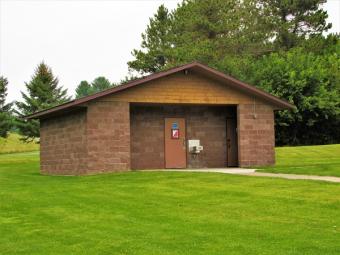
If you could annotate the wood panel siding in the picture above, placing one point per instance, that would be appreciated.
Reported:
(191, 88)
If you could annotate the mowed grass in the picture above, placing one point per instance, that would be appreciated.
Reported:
(13, 144)
(163, 213)
(310, 160)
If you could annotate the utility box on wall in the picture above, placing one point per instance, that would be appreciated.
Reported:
(194, 146)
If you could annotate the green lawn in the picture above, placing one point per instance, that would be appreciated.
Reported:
(13, 144)
(311, 160)
(163, 213)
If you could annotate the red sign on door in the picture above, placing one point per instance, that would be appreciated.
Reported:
(174, 133)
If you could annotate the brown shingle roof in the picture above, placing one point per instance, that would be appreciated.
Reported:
(281, 104)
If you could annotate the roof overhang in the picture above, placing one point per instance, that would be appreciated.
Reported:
(195, 66)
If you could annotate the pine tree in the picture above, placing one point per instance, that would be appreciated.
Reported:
(220, 32)
(155, 44)
(5, 109)
(43, 92)
(296, 20)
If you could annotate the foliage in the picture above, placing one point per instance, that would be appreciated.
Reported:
(296, 20)
(97, 85)
(13, 143)
(208, 31)
(6, 119)
(83, 89)
(213, 31)
(163, 213)
(311, 83)
(43, 92)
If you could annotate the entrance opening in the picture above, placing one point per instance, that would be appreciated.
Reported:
(161, 133)
(232, 158)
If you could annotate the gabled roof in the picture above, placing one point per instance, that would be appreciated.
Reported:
(210, 72)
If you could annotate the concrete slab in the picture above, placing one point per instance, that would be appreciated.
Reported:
(235, 170)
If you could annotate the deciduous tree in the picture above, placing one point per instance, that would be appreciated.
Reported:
(99, 84)
(311, 83)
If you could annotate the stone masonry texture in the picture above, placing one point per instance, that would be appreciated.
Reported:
(256, 136)
(87, 142)
(108, 137)
(63, 147)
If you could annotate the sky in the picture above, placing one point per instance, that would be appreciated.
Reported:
(80, 40)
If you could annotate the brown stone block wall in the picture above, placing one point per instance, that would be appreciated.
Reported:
(256, 137)
(208, 124)
(108, 136)
(63, 144)
(147, 137)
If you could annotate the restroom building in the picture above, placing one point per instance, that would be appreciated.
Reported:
(191, 116)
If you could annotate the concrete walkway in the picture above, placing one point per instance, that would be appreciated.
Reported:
(252, 172)
(298, 177)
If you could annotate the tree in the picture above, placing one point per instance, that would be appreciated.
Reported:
(217, 32)
(296, 20)
(210, 31)
(5, 109)
(100, 84)
(155, 44)
(311, 83)
(83, 89)
(97, 85)
(43, 92)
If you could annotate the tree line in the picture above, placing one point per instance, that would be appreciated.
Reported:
(276, 45)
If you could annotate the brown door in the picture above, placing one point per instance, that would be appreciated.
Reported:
(232, 158)
(175, 143)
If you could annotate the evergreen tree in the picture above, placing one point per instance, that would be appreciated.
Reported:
(296, 20)
(99, 84)
(220, 32)
(155, 44)
(5, 109)
(43, 92)
(210, 31)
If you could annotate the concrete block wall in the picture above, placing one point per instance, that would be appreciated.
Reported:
(108, 137)
(98, 139)
(94, 140)
(256, 136)
(63, 144)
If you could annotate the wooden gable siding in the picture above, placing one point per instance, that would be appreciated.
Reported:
(182, 88)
